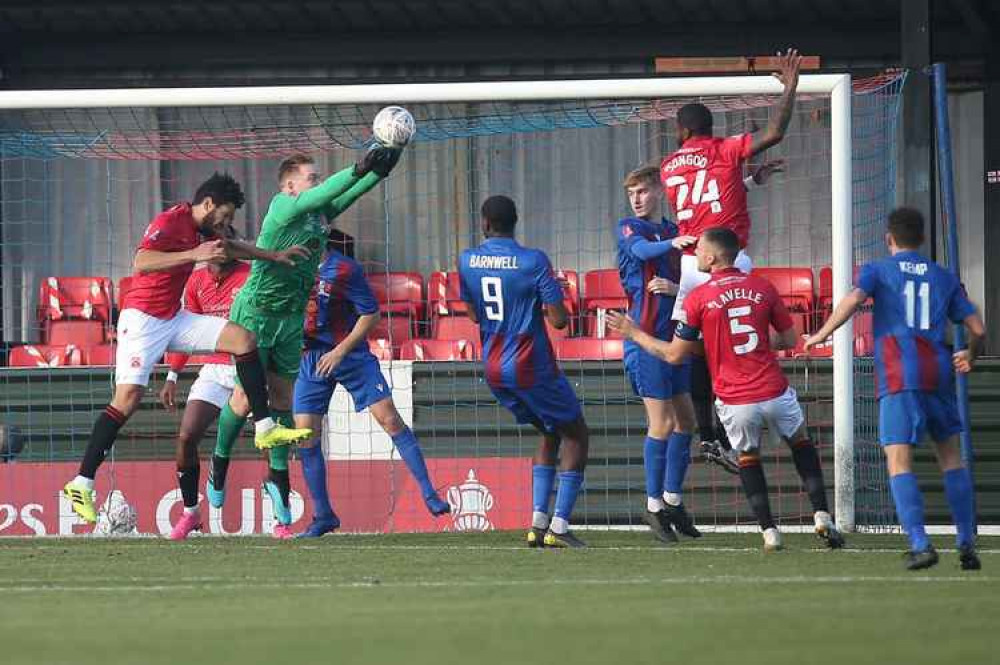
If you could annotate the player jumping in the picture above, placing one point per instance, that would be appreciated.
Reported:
(704, 181)
(915, 299)
(342, 313)
(646, 243)
(272, 303)
(510, 290)
(735, 312)
(153, 321)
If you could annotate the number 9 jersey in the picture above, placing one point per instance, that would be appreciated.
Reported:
(703, 181)
(506, 285)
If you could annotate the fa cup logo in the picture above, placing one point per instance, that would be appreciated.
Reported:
(470, 502)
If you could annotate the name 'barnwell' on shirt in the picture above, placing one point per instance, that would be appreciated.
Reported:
(493, 262)
(730, 295)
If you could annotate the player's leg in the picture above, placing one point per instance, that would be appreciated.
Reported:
(679, 452)
(743, 423)
(198, 416)
(142, 341)
(278, 483)
(385, 414)
(232, 418)
(945, 425)
(310, 403)
(650, 382)
(573, 449)
(901, 427)
(543, 481)
(714, 444)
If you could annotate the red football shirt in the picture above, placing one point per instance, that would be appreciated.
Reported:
(704, 184)
(159, 293)
(206, 293)
(735, 313)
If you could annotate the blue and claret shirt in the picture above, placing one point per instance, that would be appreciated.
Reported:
(506, 285)
(651, 311)
(340, 296)
(915, 299)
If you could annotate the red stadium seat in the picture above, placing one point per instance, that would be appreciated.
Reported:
(86, 298)
(444, 295)
(81, 333)
(381, 348)
(826, 290)
(102, 355)
(397, 328)
(602, 290)
(439, 349)
(795, 286)
(455, 327)
(588, 348)
(399, 292)
(42, 355)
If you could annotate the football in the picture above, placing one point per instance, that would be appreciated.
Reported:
(394, 126)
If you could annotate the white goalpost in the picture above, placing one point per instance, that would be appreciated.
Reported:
(837, 88)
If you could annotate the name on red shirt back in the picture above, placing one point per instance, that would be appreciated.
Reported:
(735, 313)
(703, 181)
(159, 293)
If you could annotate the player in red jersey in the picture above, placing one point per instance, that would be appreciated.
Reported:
(734, 313)
(210, 290)
(153, 321)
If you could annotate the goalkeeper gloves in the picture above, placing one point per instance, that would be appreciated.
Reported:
(379, 160)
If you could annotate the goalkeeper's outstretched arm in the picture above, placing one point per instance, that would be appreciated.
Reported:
(377, 163)
(355, 192)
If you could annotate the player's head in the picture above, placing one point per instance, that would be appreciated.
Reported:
(906, 230)
(499, 216)
(717, 248)
(297, 174)
(215, 202)
(693, 120)
(229, 233)
(642, 186)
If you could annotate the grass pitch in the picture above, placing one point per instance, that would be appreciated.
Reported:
(485, 599)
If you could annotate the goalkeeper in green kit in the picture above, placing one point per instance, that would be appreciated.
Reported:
(273, 301)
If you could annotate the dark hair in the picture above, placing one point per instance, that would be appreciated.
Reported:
(222, 188)
(724, 241)
(501, 213)
(642, 176)
(696, 118)
(292, 164)
(906, 226)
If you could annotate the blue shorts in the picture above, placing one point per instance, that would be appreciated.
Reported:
(905, 417)
(359, 373)
(547, 405)
(654, 378)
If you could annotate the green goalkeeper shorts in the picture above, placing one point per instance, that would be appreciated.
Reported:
(279, 338)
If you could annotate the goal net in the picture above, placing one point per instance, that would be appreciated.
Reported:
(82, 174)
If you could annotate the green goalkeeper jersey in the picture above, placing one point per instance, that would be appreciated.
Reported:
(282, 290)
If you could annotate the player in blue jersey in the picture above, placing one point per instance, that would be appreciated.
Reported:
(341, 313)
(511, 290)
(649, 266)
(915, 300)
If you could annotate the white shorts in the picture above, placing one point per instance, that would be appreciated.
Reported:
(143, 339)
(692, 278)
(215, 384)
(744, 422)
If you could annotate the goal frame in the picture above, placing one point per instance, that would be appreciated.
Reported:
(837, 86)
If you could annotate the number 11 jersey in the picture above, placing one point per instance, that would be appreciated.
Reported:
(703, 181)
(506, 285)
(915, 298)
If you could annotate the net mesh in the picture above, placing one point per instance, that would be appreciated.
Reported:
(79, 187)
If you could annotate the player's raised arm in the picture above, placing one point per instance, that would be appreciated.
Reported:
(788, 74)
(378, 161)
(356, 191)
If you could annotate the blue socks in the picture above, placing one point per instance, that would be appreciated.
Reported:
(542, 479)
(569, 487)
(678, 460)
(655, 462)
(910, 508)
(409, 450)
(314, 469)
(958, 489)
